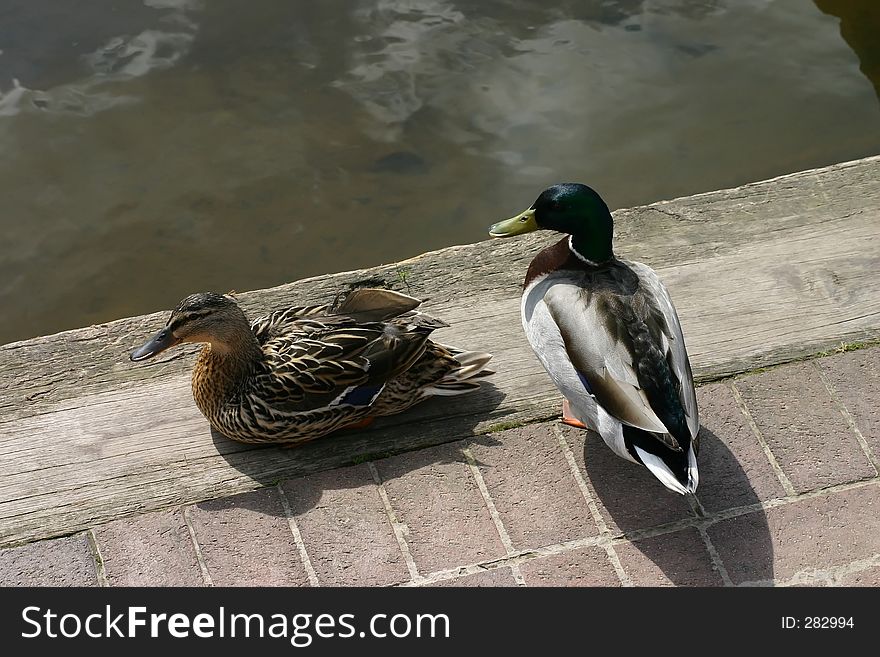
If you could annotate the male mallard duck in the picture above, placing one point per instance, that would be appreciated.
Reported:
(300, 373)
(608, 335)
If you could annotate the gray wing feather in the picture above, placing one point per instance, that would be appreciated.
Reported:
(601, 357)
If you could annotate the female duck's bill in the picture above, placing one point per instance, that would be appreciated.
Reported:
(163, 340)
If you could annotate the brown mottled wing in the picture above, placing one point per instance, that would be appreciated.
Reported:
(323, 362)
(364, 304)
(372, 304)
(278, 322)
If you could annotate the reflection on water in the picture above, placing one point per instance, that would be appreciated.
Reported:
(147, 151)
(860, 26)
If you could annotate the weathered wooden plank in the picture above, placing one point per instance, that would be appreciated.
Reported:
(760, 274)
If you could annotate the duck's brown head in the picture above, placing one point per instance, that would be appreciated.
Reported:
(202, 317)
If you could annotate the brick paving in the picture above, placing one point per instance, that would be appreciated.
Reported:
(789, 495)
(269, 556)
(154, 549)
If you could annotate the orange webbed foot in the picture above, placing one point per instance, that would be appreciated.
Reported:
(363, 423)
(569, 418)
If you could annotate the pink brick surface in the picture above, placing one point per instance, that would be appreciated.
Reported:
(820, 532)
(434, 494)
(246, 541)
(856, 378)
(734, 470)
(154, 549)
(60, 562)
(587, 566)
(628, 495)
(804, 429)
(676, 559)
(532, 487)
(346, 529)
(495, 577)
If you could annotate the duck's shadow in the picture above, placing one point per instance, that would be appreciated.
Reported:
(433, 422)
(670, 535)
(664, 538)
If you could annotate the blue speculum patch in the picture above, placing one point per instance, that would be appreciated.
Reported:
(585, 382)
(362, 395)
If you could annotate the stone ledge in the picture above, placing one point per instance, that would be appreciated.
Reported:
(761, 274)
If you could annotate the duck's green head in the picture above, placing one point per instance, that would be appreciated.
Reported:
(570, 208)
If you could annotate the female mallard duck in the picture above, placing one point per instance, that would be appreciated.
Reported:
(300, 373)
(608, 335)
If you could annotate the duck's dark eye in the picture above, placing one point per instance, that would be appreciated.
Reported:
(555, 205)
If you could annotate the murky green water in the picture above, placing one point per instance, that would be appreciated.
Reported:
(151, 150)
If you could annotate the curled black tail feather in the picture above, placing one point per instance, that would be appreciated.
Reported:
(659, 383)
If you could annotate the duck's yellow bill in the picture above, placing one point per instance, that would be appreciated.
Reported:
(521, 223)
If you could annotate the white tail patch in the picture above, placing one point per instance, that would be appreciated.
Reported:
(660, 470)
(437, 391)
(472, 364)
(693, 473)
